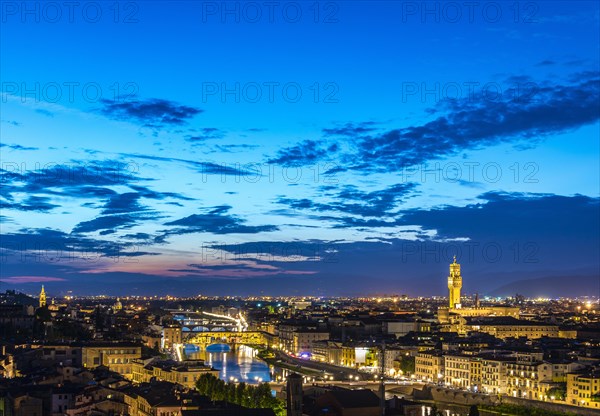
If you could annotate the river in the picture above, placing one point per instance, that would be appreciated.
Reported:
(240, 364)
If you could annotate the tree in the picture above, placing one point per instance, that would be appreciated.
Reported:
(230, 395)
(473, 411)
(407, 364)
(243, 394)
(559, 392)
(240, 392)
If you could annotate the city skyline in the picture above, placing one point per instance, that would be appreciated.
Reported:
(199, 149)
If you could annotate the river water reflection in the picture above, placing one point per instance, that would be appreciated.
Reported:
(240, 364)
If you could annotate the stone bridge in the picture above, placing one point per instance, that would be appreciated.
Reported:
(204, 326)
(201, 321)
(204, 339)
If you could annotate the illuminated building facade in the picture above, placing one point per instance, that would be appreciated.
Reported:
(184, 373)
(302, 340)
(116, 356)
(462, 371)
(493, 375)
(171, 334)
(583, 389)
(429, 366)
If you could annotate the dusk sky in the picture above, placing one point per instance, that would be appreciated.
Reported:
(291, 148)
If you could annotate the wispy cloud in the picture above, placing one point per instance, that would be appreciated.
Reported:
(18, 147)
(351, 200)
(208, 168)
(216, 220)
(207, 133)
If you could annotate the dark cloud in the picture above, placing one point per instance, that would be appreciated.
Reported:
(138, 236)
(274, 252)
(123, 203)
(124, 211)
(31, 203)
(235, 270)
(91, 192)
(475, 122)
(70, 176)
(233, 148)
(82, 181)
(18, 147)
(152, 112)
(107, 222)
(11, 122)
(207, 133)
(544, 217)
(523, 115)
(350, 200)
(215, 169)
(47, 246)
(352, 130)
(207, 168)
(216, 220)
(304, 153)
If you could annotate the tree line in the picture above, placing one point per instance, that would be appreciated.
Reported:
(243, 394)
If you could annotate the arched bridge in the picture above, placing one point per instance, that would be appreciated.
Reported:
(204, 339)
(193, 322)
(192, 327)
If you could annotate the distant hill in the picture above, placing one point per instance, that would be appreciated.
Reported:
(553, 287)
(11, 297)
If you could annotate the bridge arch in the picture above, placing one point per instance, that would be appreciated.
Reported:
(220, 329)
(200, 328)
(218, 347)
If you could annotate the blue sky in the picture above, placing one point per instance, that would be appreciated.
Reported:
(304, 148)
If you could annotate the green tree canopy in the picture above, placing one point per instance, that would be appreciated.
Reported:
(243, 394)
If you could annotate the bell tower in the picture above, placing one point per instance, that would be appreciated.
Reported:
(42, 297)
(454, 285)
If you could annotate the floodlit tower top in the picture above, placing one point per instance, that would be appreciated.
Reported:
(42, 297)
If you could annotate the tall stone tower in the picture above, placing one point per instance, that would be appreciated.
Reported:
(42, 297)
(294, 395)
(454, 285)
